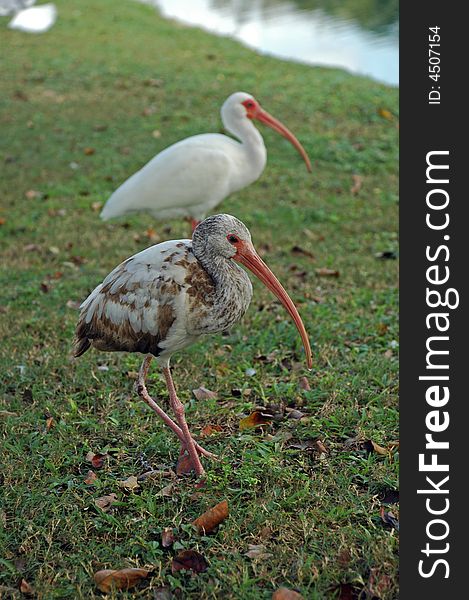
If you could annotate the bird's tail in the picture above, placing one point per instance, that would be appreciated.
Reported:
(81, 346)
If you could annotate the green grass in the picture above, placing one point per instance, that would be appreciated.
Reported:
(86, 84)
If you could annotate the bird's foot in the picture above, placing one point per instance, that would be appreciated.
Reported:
(185, 464)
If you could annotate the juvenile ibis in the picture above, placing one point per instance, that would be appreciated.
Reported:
(166, 297)
(189, 178)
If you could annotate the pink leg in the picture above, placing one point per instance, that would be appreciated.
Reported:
(143, 393)
(178, 409)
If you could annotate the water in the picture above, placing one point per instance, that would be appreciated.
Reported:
(361, 36)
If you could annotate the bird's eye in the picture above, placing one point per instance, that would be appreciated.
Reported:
(232, 238)
(249, 104)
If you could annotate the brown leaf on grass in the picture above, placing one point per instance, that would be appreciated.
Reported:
(203, 393)
(25, 588)
(184, 465)
(385, 114)
(49, 423)
(31, 248)
(255, 419)
(90, 477)
(167, 537)
(372, 446)
(257, 551)
(33, 194)
(210, 430)
(122, 579)
(303, 383)
(284, 593)
(151, 234)
(105, 502)
(293, 413)
(325, 272)
(389, 518)
(378, 583)
(97, 460)
(298, 250)
(130, 483)
(167, 491)
(88, 151)
(212, 517)
(320, 446)
(189, 560)
(357, 184)
(2, 220)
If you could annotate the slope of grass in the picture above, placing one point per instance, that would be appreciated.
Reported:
(84, 106)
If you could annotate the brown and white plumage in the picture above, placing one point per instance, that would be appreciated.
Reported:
(167, 296)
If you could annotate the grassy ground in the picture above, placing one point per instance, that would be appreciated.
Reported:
(82, 108)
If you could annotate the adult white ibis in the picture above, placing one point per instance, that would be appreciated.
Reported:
(167, 296)
(191, 177)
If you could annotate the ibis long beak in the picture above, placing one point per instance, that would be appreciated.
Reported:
(247, 256)
(264, 117)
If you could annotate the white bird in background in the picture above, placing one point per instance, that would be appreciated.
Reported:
(166, 297)
(189, 178)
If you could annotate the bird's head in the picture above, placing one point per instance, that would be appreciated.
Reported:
(240, 106)
(226, 236)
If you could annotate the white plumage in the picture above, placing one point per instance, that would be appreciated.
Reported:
(191, 177)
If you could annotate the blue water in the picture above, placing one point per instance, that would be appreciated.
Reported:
(361, 36)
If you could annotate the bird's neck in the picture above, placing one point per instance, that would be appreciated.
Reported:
(251, 140)
(233, 289)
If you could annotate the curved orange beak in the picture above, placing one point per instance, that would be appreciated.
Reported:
(248, 257)
(264, 117)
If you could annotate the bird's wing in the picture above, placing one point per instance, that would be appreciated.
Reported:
(190, 173)
(140, 304)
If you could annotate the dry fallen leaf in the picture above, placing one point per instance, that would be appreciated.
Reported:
(25, 588)
(203, 393)
(303, 383)
(212, 517)
(257, 551)
(49, 423)
(89, 151)
(325, 272)
(370, 445)
(357, 184)
(385, 113)
(167, 491)
(105, 502)
(2, 220)
(122, 579)
(284, 593)
(167, 537)
(389, 518)
(294, 414)
(32, 194)
(210, 430)
(130, 483)
(97, 460)
(90, 477)
(189, 560)
(255, 419)
(302, 251)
